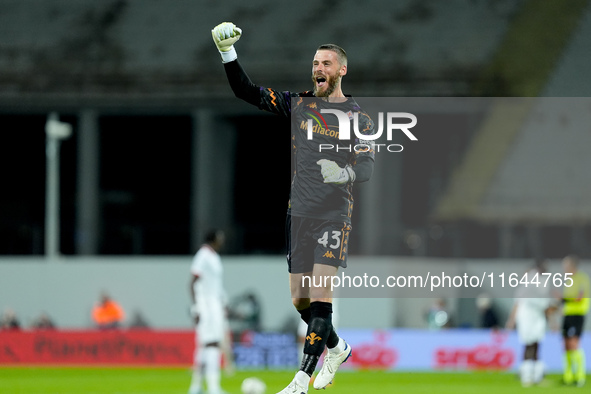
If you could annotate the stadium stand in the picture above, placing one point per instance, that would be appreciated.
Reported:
(164, 47)
(525, 166)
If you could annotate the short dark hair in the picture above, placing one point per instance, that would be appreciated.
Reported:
(341, 54)
(212, 235)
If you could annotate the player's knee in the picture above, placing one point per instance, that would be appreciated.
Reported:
(300, 303)
(531, 352)
(572, 343)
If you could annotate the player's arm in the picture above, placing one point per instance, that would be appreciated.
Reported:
(193, 309)
(224, 36)
(241, 84)
(510, 325)
(194, 279)
(364, 158)
(550, 310)
(363, 168)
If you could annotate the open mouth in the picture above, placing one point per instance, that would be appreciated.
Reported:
(320, 81)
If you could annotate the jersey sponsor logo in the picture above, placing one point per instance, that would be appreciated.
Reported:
(316, 116)
(312, 338)
(328, 254)
(318, 129)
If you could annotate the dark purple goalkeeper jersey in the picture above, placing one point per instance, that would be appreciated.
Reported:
(310, 196)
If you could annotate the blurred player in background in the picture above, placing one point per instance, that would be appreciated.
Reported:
(208, 310)
(530, 313)
(575, 306)
(320, 207)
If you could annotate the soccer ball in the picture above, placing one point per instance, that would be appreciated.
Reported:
(253, 386)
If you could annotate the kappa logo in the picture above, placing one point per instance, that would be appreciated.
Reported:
(312, 105)
(328, 254)
(313, 338)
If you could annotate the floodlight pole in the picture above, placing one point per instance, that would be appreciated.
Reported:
(55, 132)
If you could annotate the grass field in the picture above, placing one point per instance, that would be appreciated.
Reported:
(95, 380)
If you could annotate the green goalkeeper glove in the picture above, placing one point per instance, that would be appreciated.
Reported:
(332, 173)
(224, 36)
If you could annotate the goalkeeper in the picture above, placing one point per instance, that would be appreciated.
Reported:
(321, 201)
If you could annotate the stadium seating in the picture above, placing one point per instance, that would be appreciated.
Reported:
(406, 48)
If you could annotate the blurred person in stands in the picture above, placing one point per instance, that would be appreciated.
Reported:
(531, 309)
(438, 316)
(9, 321)
(575, 306)
(488, 315)
(208, 311)
(43, 322)
(107, 314)
(138, 321)
(245, 312)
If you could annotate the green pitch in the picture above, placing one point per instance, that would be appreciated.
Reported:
(95, 380)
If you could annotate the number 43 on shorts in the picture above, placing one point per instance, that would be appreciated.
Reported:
(334, 242)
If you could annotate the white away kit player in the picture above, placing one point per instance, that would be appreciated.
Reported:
(529, 314)
(208, 311)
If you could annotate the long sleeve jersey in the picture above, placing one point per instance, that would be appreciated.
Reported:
(309, 195)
